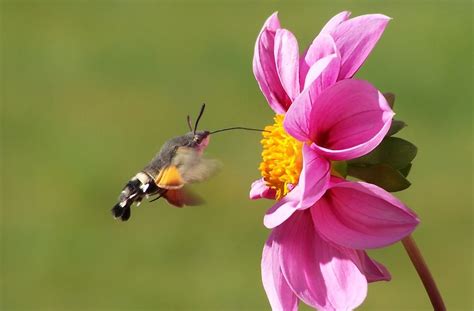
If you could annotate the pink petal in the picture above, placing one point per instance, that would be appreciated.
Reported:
(361, 215)
(279, 294)
(282, 210)
(260, 190)
(321, 275)
(322, 74)
(350, 119)
(311, 186)
(373, 270)
(335, 21)
(272, 22)
(287, 59)
(264, 67)
(322, 46)
(355, 39)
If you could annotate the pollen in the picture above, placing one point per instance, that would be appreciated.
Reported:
(281, 158)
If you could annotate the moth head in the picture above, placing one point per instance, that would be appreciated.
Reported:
(200, 140)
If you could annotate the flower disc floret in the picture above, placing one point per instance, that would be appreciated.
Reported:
(281, 158)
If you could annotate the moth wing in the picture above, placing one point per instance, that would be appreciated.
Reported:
(182, 197)
(169, 178)
(193, 166)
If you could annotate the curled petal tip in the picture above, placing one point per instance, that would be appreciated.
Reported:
(274, 15)
(278, 213)
(384, 16)
(376, 16)
(272, 22)
(270, 222)
(259, 190)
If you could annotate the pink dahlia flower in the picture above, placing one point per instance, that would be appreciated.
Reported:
(322, 222)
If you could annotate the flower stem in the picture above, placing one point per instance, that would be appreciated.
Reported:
(424, 273)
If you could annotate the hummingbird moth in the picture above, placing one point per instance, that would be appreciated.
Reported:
(179, 162)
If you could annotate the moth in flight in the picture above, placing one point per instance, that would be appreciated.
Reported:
(179, 162)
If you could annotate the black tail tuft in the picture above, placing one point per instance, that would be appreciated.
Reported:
(126, 213)
(122, 213)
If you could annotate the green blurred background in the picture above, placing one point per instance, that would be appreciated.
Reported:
(90, 91)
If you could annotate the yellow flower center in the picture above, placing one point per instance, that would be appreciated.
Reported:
(281, 158)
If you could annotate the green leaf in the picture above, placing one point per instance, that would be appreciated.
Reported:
(396, 127)
(393, 151)
(406, 170)
(381, 175)
(339, 167)
(390, 97)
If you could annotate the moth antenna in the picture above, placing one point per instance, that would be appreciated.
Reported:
(199, 117)
(188, 118)
(238, 128)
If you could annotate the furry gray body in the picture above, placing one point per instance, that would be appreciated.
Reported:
(168, 151)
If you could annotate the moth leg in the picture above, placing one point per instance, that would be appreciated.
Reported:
(160, 195)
